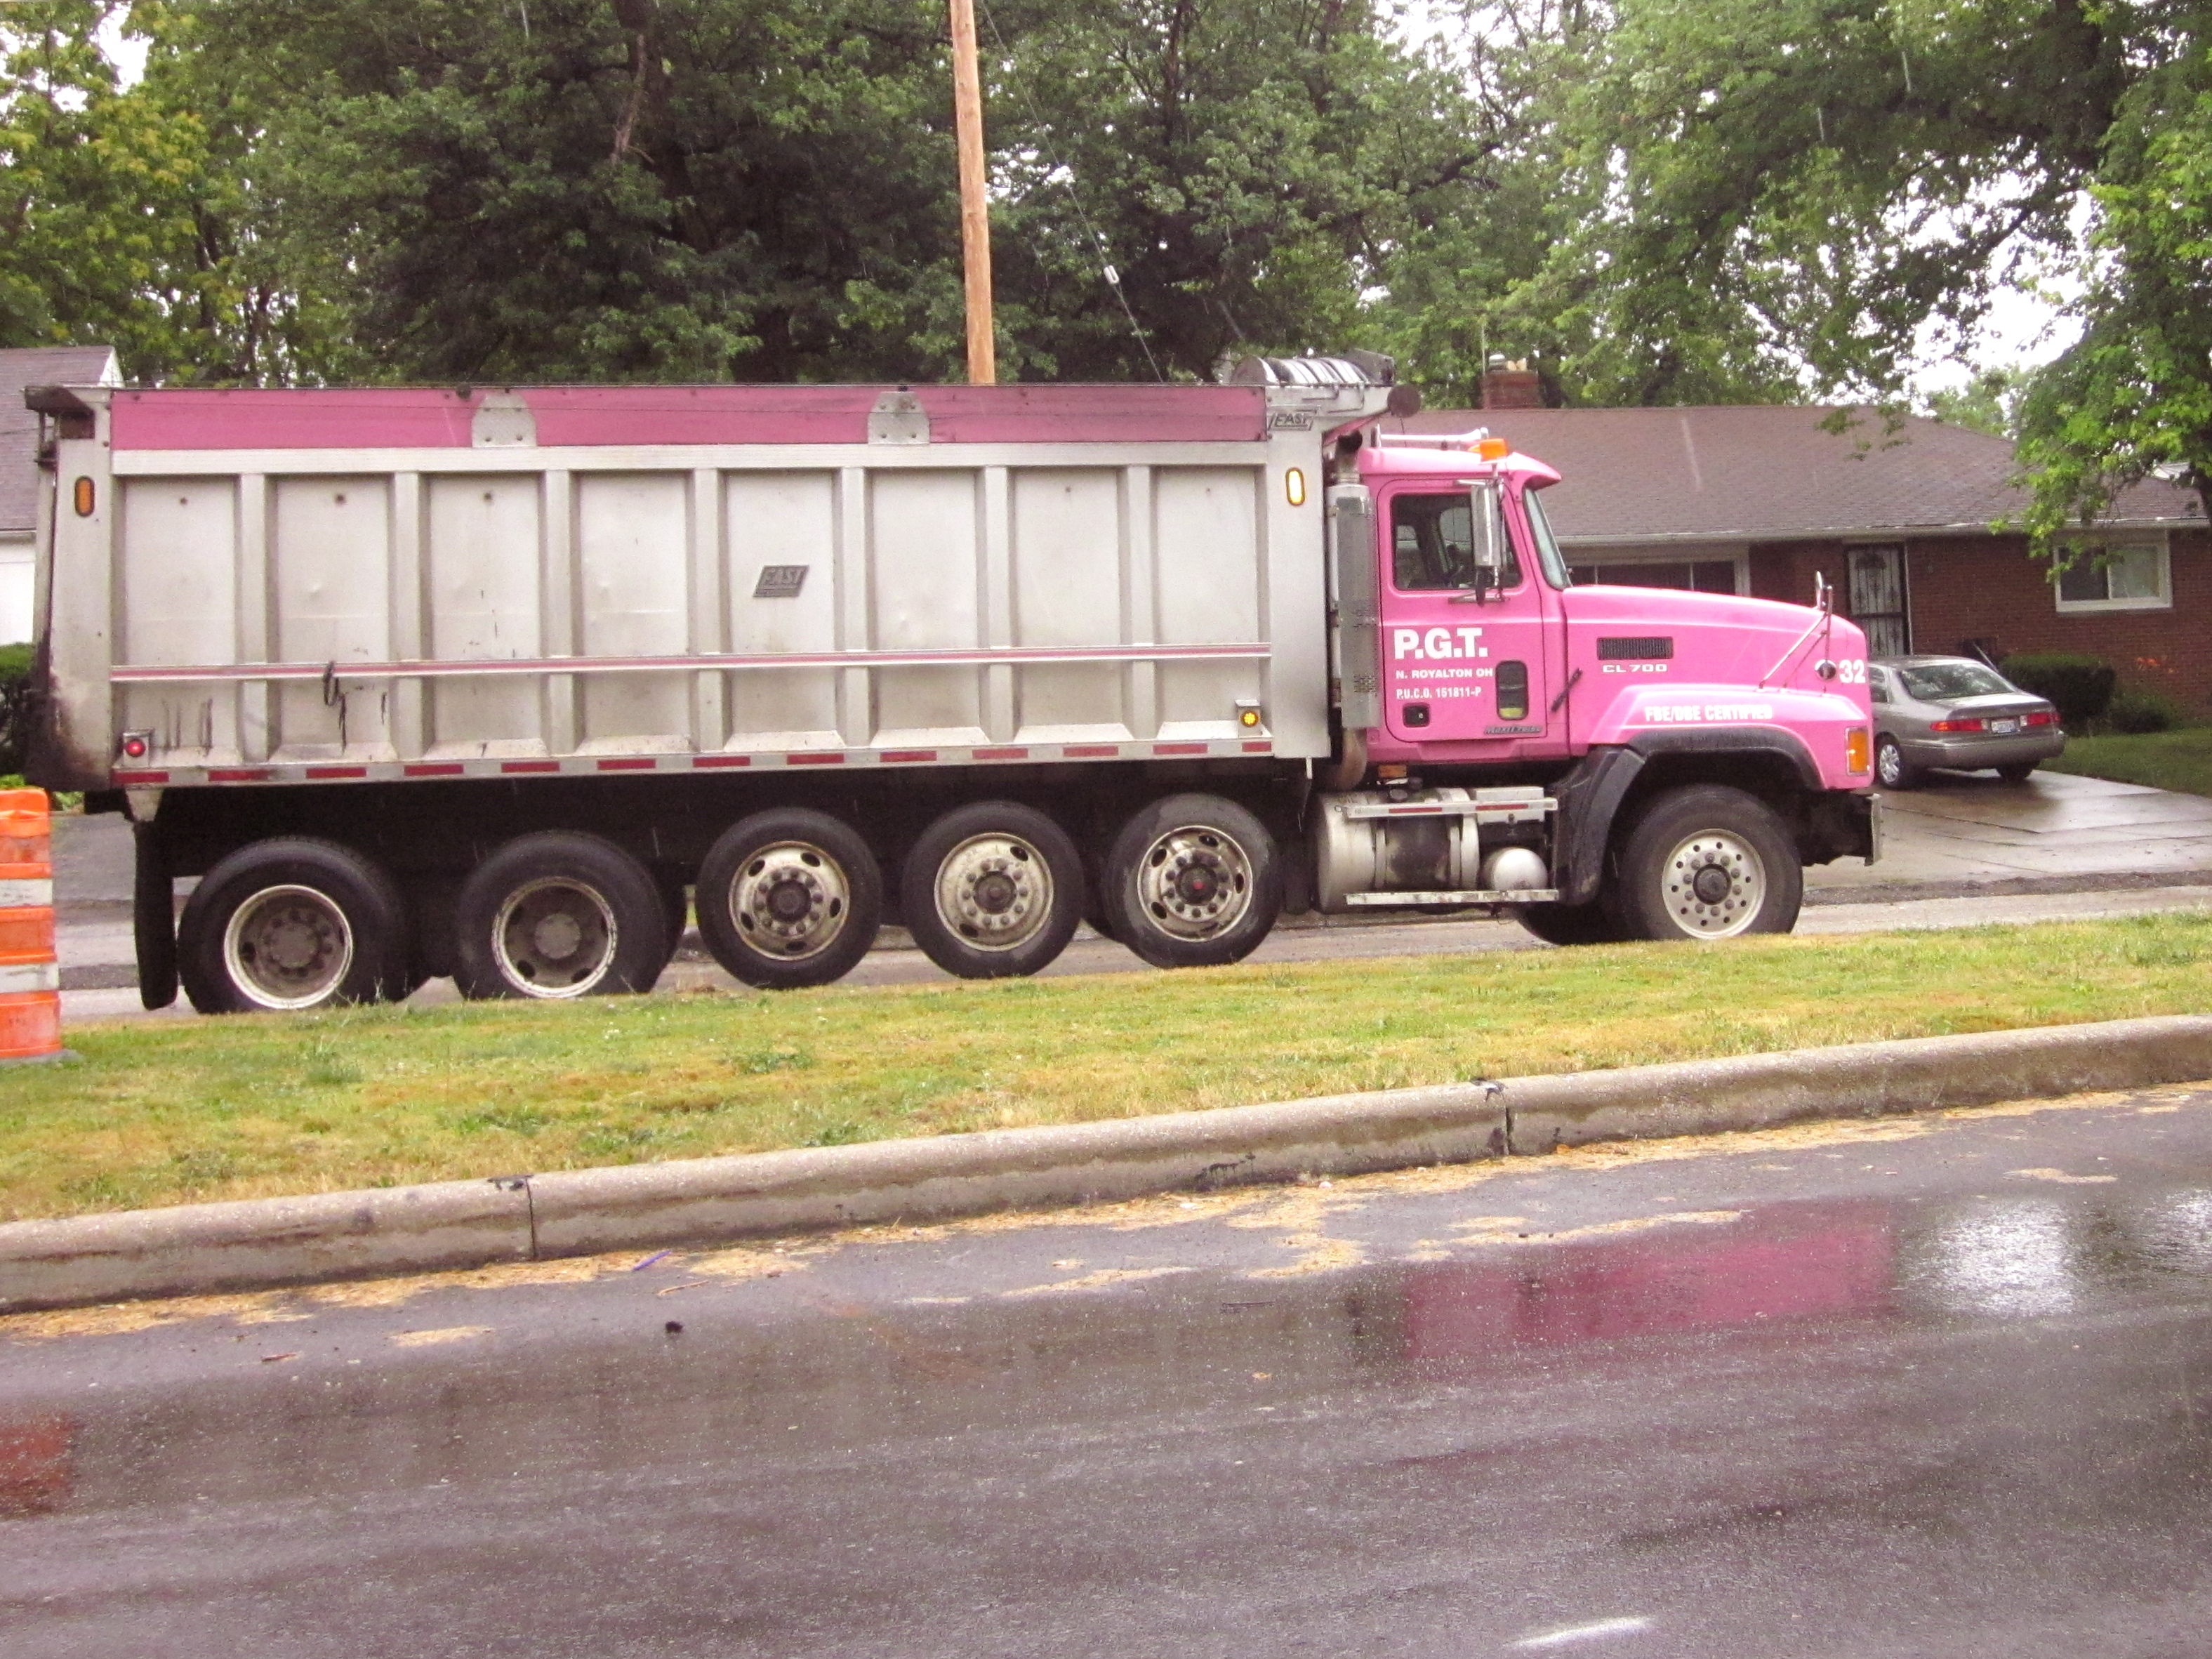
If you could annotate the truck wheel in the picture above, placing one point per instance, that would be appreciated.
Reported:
(1193, 881)
(559, 914)
(789, 898)
(1708, 862)
(993, 890)
(1892, 770)
(1570, 924)
(289, 924)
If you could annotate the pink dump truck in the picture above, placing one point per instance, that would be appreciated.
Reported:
(495, 683)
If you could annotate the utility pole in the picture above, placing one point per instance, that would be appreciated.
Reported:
(974, 212)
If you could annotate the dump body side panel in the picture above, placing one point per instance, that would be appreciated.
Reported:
(1030, 579)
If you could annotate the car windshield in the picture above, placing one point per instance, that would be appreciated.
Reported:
(1945, 682)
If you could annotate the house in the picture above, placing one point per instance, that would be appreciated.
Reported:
(18, 470)
(1761, 499)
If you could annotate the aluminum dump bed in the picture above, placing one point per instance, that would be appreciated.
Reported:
(259, 586)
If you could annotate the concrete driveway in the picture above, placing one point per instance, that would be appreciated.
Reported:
(1967, 850)
(2054, 833)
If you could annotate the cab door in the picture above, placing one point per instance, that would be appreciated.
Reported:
(1464, 622)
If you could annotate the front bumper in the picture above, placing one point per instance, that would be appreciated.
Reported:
(1974, 753)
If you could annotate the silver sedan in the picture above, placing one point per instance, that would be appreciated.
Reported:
(1956, 712)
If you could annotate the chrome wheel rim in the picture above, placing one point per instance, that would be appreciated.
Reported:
(1888, 763)
(288, 947)
(554, 938)
(995, 891)
(1194, 883)
(791, 901)
(1714, 884)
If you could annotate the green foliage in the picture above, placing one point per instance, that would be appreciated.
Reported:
(1988, 403)
(2134, 396)
(123, 220)
(2138, 712)
(2079, 686)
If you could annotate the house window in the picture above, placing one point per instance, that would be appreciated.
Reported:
(1877, 599)
(2134, 576)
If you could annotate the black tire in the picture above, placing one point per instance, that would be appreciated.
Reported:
(1707, 862)
(1193, 881)
(291, 924)
(556, 915)
(152, 919)
(757, 878)
(1890, 769)
(993, 890)
(1570, 924)
(2018, 773)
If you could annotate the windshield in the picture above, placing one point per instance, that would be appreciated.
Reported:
(1548, 545)
(1943, 682)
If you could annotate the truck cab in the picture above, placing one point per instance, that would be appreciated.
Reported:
(1470, 665)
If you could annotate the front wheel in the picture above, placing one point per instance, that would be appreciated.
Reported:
(290, 924)
(1193, 881)
(993, 890)
(789, 898)
(1708, 862)
(558, 915)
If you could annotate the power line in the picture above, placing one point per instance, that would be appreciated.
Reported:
(1064, 175)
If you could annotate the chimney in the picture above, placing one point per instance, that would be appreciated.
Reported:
(1511, 386)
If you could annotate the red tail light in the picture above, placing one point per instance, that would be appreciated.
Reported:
(1956, 726)
(2041, 717)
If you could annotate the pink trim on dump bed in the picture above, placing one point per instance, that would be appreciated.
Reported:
(430, 418)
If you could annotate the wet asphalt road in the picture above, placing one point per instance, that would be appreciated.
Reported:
(1917, 1387)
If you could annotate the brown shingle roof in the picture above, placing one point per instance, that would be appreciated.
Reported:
(1768, 473)
(19, 428)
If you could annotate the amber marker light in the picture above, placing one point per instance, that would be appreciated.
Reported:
(1494, 449)
(82, 494)
(1856, 748)
(1294, 487)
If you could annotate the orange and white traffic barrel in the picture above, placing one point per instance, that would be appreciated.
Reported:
(30, 979)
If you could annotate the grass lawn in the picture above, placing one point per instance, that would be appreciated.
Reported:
(165, 1112)
(2164, 760)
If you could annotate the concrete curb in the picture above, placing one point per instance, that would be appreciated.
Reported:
(262, 1243)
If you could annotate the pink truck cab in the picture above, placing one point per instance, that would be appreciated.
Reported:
(1735, 729)
(512, 684)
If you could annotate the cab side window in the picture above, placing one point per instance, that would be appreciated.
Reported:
(1433, 544)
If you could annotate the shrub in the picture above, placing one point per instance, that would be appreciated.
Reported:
(2137, 712)
(14, 705)
(2081, 687)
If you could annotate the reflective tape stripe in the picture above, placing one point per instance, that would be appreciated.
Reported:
(17, 977)
(27, 894)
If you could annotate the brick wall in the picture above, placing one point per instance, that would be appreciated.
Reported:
(1965, 588)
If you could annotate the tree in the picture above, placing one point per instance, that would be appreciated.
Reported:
(2134, 396)
(122, 207)
(1841, 182)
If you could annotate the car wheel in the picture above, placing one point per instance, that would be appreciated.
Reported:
(2019, 774)
(1708, 862)
(290, 924)
(993, 890)
(558, 915)
(1193, 881)
(1890, 769)
(789, 898)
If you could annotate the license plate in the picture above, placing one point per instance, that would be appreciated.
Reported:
(2004, 727)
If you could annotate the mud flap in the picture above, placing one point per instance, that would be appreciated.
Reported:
(1589, 798)
(153, 920)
